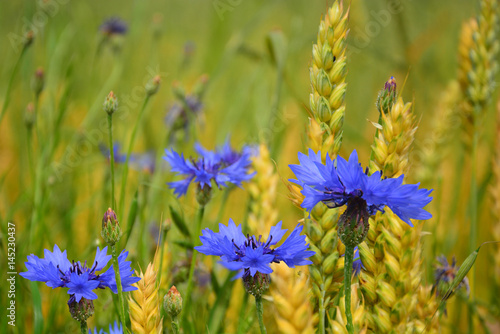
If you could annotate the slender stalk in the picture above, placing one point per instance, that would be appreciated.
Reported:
(321, 311)
(118, 278)
(83, 327)
(175, 325)
(189, 289)
(473, 219)
(260, 312)
(9, 85)
(349, 257)
(129, 152)
(225, 196)
(112, 159)
(30, 154)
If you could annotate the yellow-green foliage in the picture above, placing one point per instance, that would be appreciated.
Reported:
(444, 123)
(478, 64)
(263, 212)
(495, 192)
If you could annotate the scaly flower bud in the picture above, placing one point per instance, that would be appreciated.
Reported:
(110, 103)
(38, 81)
(153, 85)
(172, 302)
(111, 231)
(203, 195)
(353, 223)
(29, 115)
(387, 96)
(82, 310)
(256, 285)
(28, 38)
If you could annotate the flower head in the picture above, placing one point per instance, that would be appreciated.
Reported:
(338, 181)
(224, 166)
(80, 279)
(114, 26)
(145, 162)
(249, 255)
(444, 274)
(112, 330)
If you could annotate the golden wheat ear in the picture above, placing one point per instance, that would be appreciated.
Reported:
(145, 303)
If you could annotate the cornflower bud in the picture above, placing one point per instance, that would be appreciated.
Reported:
(203, 195)
(110, 103)
(111, 231)
(82, 310)
(28, 38)
(172, 302)
(38, 81)
(387, 96)
(353, 224)
(256, 285)
(29, 115)
(153, 85)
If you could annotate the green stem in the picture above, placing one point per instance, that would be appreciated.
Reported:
(223, 204)
(30, 154)
(473, 217)
(112, 159)
(349, 257)
(129, 152)
(118, 278)
(175, 325)
(162, 251)
(83, 327)
(9, 85)
(189, 289)
(260, 313)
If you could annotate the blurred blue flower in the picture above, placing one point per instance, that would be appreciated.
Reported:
(112, 330)
(114, 26)
(58, 272)
(142, 162)
(117, 155)
(444, 274)
(337, 181)
(357, 264)
(250, 255)
(224, 166)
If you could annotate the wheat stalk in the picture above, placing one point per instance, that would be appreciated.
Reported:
(144, 304)
(327, 101)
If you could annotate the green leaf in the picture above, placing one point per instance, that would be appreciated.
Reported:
(221, 304)
(179, 222)
(37, 308)
(132, 215)
(184, 244)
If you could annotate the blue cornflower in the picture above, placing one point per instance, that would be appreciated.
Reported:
(114, 26)
(337, 182)
(112, 330)
(444, 274)
(58, 272)
(249, 255)
(138, 161)
(224, 166)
